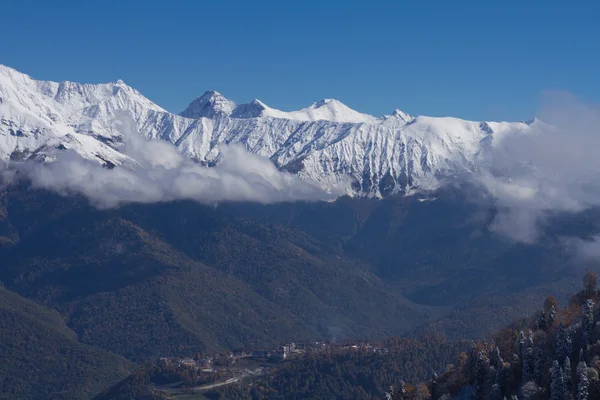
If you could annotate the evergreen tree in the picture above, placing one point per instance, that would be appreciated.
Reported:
(584, 384)
(402, 388)
(538, 365)
(528, 361)
(471, 363)
(495, 392)
(434, 385)
(564, 344)
(397, 392)
(500, 373)
(480, 369)
(568, 375)
(529, 340)
(530, 390)
(551, 317)
(495, 358)
(557, 387)
(588, 319)
(520, 343)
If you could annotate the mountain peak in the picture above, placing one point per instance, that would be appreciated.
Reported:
(401, 115)
(326, 141)
(257, 102)
(254, 109)
(210, 105)
(210, 94)
(13, 74)
(324, 102)
(331, 110)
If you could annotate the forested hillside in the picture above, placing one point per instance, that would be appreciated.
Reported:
(553, 355)
(42, 359)
(336, 373)
(173, 279)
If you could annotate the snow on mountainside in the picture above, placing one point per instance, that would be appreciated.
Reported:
(326, 142)
(212, 104)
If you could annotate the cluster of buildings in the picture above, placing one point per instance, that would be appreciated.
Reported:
(281, 353)
(204, 364)
(294, 349)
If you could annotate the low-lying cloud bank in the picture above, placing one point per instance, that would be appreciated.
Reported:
(164, 174)
(554, 169)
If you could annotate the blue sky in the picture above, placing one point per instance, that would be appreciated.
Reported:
(470, 59)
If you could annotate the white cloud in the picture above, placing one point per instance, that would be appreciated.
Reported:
(554, 168)
(164, 175)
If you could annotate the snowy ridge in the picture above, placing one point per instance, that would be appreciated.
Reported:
(212, 104)
(326, 141)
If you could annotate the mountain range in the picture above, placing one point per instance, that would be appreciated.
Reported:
(326, 142)
(108, 287)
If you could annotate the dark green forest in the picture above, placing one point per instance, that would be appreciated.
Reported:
(551, 355)
(42, 359)
(145, 281)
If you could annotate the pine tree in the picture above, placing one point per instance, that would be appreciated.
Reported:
(588, 319)
(568, 375)
(529, 340)
(557, 387)
(495, 358)
(480, 369)
(471, 362)
(528, 363)
(501, 376)
(495, 392)
(434, 386)
(538, 365)
(402, 390)
(551, 317)
(584, 384)
(397, 392)
(564, 344)
(520, 344)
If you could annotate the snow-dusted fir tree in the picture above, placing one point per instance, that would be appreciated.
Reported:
(530, 391)
(520, 343)
(557, 387)
(495, 392)
(538, 365)
(396, 392)
(472, 361)
(495, 358)
(584, 384)
(564, 344)
(567, 375)
(481, 365)
(588, 318)
(551, 317)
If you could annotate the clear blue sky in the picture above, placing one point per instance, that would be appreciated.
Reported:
(470, 59)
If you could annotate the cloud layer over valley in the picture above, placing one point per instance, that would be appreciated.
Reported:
(554, 169)
(163, 174)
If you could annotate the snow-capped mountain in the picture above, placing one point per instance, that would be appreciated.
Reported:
(326, 141)
(212, 104)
